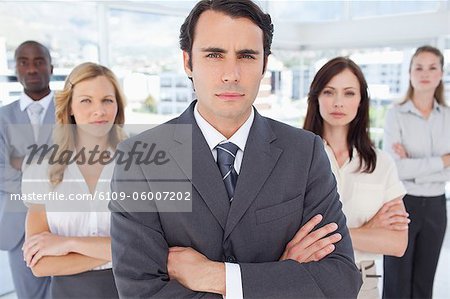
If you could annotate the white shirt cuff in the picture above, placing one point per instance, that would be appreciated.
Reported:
(233, 281)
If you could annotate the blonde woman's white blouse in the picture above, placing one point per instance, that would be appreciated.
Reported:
(71, 217)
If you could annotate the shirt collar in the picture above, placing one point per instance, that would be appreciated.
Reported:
(25, 101)
(355, 155)
(214, 137)
(107, 170)
(409, 107)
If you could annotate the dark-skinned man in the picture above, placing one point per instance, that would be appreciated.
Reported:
(23, 123)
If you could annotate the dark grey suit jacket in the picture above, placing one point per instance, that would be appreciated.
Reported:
(285, 179)
(16, 134)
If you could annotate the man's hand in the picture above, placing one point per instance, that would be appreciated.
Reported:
(44, 244)
(195, 271)
(391, 215)
(311, 246)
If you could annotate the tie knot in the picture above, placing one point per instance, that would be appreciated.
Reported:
(35, 108)
(226, 153)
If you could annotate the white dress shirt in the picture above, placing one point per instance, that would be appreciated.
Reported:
(363, 194)
(425, 141)
(25, 101)
(72, 223)
(233, 281)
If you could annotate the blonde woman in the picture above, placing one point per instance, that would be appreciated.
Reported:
(367, 180)
(417, 136)
(74, 247)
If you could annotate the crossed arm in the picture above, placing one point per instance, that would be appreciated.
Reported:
(426, 169)
(189, 272)
(145, 266)
(48, 254)
(386, 232)
(434, 176)
(197, 273)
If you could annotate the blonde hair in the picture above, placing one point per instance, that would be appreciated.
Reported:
(439, 91)
(64, 135)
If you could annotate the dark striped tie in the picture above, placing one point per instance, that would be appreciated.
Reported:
(226, 153)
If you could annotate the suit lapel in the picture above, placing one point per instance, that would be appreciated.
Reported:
(260, 157)
(205, 178)
(20, 125)
(20, 117)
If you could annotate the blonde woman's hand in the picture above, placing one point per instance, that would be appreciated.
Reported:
(390, 216)
(44, 244)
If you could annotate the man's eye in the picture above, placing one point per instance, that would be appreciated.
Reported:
(248, 56)
(214, 55)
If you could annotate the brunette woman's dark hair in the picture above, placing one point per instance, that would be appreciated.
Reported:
(358, 133)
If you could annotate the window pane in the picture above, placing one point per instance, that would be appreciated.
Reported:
(68, 29)
(361, 9)
(145, 54)
(144, 41)
(305, 11)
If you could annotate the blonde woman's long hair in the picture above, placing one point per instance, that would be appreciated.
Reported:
(64, 134)
(439, 91)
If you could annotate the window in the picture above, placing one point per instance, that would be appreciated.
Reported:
(361, 9)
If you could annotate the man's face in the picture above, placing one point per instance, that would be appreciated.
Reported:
(33, 69)
(227, 66)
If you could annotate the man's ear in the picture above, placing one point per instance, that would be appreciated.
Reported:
(187, 64)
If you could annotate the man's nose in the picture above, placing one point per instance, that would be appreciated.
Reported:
(231, 72)
(31, 68)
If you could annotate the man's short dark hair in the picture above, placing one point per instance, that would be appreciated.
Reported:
(233, 8)
(35, 43)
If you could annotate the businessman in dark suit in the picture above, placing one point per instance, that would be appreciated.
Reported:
(22, 123)
(258, 185)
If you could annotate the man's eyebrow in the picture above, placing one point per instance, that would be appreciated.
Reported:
(213, 49)
(248, 51)
(220, 50)
(27, 58)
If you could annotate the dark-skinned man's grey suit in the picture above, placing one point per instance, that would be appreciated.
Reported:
(285, 179)
(16, 134)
